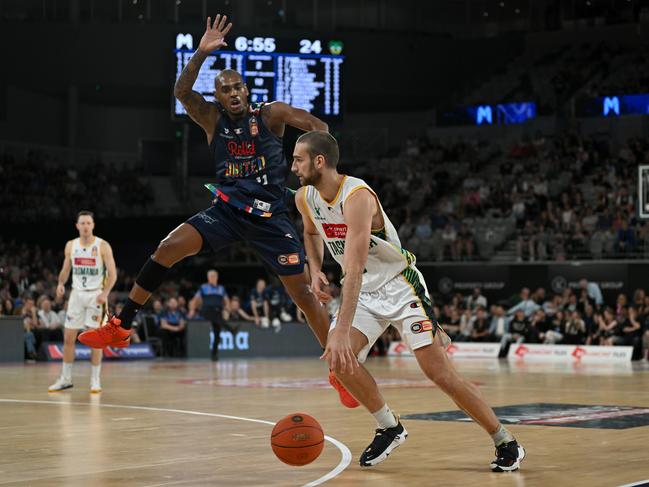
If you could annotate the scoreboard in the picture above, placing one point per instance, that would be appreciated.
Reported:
(305, 73)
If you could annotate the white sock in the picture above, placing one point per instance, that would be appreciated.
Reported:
(502, 436)
(96, 370)
(67, 371)
(385, 418)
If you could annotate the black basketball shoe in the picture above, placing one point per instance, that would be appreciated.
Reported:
(508, 457)
(385, 440)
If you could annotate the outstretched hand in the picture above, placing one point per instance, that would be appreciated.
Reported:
(214, 37)
(339, 354)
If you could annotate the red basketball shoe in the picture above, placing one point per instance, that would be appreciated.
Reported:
(109, 335)
(346, 398)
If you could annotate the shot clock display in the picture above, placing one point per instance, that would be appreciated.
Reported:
(305, 73)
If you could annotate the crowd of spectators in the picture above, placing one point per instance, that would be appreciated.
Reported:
(36, 186)
(574, 317)
(561, 198)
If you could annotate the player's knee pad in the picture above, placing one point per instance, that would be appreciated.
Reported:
(151, 275)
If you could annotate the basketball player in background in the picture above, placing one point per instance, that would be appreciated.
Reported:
(381, 286)
(246, 146)
(91, 261)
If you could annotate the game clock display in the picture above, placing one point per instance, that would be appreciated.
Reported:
(305, 73)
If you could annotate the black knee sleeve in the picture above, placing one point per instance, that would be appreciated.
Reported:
(151, 275)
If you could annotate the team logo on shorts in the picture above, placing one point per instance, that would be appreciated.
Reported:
(95, 318)
(414, 304)
(288, 259)
(421, 326)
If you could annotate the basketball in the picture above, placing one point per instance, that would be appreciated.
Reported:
(297, 439)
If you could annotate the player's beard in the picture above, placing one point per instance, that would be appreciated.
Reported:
(313, 178)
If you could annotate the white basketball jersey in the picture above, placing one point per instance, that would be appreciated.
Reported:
(87, 266)
(386, 258)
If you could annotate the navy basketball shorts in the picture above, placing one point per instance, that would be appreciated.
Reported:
(274, 239)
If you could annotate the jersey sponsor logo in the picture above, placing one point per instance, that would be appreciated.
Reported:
(85, 261)
(242, 169)
(254, 128)
(335, 230)
(421, 326)
(243, 148)
(288, 259)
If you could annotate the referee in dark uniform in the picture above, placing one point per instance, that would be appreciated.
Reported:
(212, 298)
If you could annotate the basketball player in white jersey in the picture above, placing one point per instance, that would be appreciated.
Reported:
(93, 276)
(381, 286)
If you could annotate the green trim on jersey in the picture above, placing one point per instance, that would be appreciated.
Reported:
(412, 276)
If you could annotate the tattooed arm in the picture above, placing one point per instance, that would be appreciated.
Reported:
(203, 113)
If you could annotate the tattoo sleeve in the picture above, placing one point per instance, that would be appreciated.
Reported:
(197, 108)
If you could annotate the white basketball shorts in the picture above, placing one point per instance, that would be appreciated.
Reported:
(402, 302)
(84, 311)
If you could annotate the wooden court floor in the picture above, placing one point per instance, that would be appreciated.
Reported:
(193, 424)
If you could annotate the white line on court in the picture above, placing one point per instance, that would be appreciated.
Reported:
(346, 455)
(639, 483)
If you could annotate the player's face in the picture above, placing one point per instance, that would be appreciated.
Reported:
(213, 278)
(85, 225)
(304, 167)
(232, 93)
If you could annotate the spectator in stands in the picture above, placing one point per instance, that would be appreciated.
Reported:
(464, 243)
(625, 241)
(555, 327)
(172, 329)
(607, 325)
(480, 327)
(499, 323)
(277, 302)
(526, 304)
(517, 331)
(259, 304)
(476, 300)
(49, 324)
(629, 328)
(451, 324)
(236, 312)
(526, 242)
(593, 290)
(448, 238)
(574, 332)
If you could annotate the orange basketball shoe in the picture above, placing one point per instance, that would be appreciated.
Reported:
(346, 398)
(109, 335)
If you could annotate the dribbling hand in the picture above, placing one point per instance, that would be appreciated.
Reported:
(214, 37)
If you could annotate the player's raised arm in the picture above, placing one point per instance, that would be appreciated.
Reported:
(279, 112)
(313, 246)
(203, 113)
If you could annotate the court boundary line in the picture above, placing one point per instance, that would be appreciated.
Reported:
(346, 455)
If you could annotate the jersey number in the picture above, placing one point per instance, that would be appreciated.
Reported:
(83, 280)
(263, 179)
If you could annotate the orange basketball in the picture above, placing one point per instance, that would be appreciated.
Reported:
(297, 439)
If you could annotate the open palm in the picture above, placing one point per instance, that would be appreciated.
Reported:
(214, 37)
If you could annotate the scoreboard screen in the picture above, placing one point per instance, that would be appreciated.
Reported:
(305, 73)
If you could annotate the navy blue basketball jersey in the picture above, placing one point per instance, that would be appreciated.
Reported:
(251, 166)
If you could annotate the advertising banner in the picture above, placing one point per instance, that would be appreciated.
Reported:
(529, 352)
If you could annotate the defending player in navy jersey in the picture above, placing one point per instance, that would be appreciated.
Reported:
(246, 143)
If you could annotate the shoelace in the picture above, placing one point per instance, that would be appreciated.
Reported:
(109, 329)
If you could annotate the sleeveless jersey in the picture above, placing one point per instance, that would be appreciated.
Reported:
(251, 166)
(87, 266)
(386, 259)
